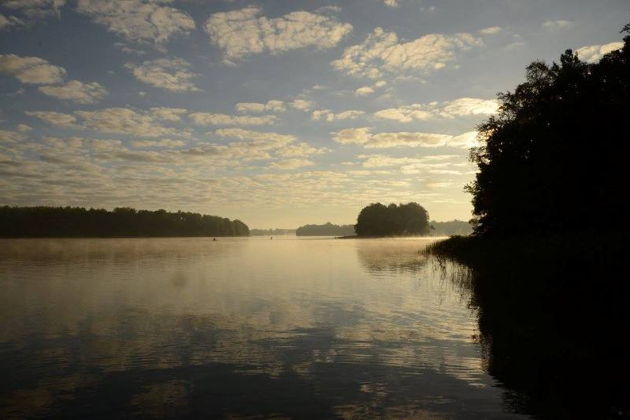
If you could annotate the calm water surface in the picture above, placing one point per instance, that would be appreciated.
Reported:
(240, 327)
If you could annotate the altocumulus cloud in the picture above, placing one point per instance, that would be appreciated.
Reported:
(8, 136)
(83, 93)
(460, 107)
(272, 105)
(284, 143)
(490, 30)
(32, 70)
(329, 116)
(35, 70)
(244, 32)
(9, 22)
(138, 20)
(170, 74)
(209, 118)
(383, 52)
(291, 164)
(112, 120)
(35, 8)
(364, 137)
(55, 118)
(594, 53)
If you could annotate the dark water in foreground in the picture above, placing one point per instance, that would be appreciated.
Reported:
(247, 327)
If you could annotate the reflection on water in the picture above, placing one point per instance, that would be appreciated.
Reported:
(553, 325)
(297, 328)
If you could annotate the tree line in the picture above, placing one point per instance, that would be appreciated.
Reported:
(553, 161)
(122, 221)
(393, 220)
(327, 229)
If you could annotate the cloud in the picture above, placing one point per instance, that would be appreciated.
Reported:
(9, 22)
(83, 93)
(244, 32)
(35, 8)
(491, 30)
(404, 114)
(138, 20)
(66, 145)
(468, 106)
(274, 105)
(54, 118)
(300, 150)
(291, 164)
(383, 161)
(162, 143)
(428, 165)
(461, 107)
(7, 136)
(382, 52)
(368, 90)
(329, 116)
(594, 53)
(256, 136)
(301, 104)
(250, 145)
(33, 70)
(557, 25)
(364, 91)
(168, 114)
(163, 73)
(208, 118)
(112, 120)
(124, 121)
(284, 143)
(363, 136)
(269, 106)
(465, 140)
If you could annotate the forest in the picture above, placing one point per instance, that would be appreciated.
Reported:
(546, 275)
(327, 229)
(31, 222)
(553, 161)
(377, 220)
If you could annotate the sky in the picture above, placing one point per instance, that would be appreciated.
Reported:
(278, 113)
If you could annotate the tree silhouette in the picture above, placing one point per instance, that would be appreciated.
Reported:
(122, 221)
(327, 229)
(554, 158)
(393, 220)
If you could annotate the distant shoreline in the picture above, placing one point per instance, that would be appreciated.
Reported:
(122, 237)
(391, 237)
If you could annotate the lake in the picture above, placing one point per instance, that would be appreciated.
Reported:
(239, 328)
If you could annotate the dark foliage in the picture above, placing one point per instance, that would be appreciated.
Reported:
(554, 157)
(30, 222)
(547, 277)
(393, 220)
(327, 229)
(551, 316)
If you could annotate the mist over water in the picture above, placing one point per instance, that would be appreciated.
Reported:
(188, 327)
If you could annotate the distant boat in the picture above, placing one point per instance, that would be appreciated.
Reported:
(214, 239)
